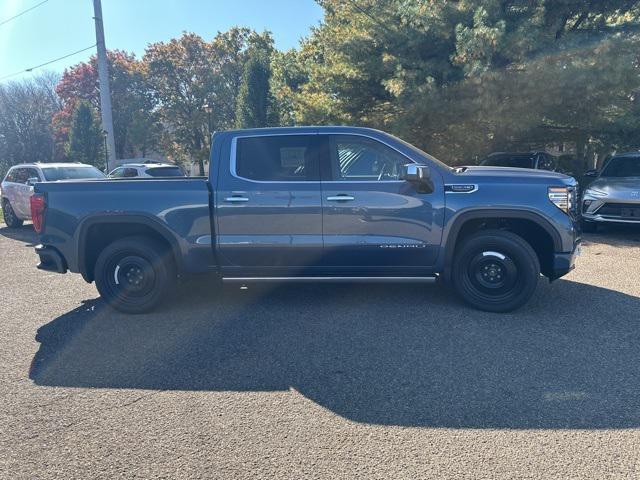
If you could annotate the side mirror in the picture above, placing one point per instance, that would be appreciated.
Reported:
(31, 181)
(591, 173)
(417, 175)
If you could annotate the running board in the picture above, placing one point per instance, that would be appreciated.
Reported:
(331, 279)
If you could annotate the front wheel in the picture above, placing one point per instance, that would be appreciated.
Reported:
(135, 274)
(495, 271)
(10, 217)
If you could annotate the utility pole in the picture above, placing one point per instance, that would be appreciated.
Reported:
(105, 91)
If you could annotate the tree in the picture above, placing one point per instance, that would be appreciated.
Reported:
(85, 142)
(288, 74)
(26, 109)
(255, 103)
(186, 73)
(463, 78)
(135, 120)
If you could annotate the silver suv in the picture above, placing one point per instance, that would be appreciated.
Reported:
(148, 169)
(17, 186)
(614, 197)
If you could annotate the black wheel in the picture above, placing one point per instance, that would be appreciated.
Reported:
(10, 217)
(588, 227)
(135, 274)
(495, 270)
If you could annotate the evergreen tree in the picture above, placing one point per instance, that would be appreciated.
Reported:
(85, 143)
(254, 107)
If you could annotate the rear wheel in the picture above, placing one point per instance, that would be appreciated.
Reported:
(135, 274)
(495, 270)
(10, 217)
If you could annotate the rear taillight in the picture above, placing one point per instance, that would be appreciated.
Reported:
(38, 206)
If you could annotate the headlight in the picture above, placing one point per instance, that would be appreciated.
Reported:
(593, 192)
(561, 197)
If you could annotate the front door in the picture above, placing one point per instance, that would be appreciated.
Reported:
(269, 206)
(373, 222)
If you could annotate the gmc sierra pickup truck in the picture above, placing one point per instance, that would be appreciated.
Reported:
(314, 204)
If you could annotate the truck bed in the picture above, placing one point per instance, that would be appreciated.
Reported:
(177, 208)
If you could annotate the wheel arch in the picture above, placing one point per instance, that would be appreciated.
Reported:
(115, 227)
(452, 234)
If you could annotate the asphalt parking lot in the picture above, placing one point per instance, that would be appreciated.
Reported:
(322, 381)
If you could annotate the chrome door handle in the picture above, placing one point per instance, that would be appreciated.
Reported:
(236, 199)
(340, 198)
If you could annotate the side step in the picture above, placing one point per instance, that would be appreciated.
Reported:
(330, 279)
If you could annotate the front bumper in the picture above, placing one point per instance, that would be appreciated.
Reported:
(563, 263)
(51, 259)
(601, 219)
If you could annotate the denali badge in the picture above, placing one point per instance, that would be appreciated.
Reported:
(460, 188)
(403, 245)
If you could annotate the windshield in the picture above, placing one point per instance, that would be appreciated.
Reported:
(53, 174)
(622, 167)
(507, 161)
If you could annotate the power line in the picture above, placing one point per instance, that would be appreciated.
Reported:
(22, 13)
(30, 69)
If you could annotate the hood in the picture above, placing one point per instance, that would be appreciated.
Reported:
(512, 172)
(623, 187)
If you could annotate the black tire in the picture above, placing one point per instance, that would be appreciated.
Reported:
(588, 227)
(9, 215)
(135, 274)
(495, 271)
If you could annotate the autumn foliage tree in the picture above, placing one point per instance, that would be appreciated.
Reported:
(186, 73)
(135, 120)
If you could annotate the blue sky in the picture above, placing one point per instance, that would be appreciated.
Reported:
(59, 27)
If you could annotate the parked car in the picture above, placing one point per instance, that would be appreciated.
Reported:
(534, 160)
(614, 197)
(147, 170)
(17, 186)
(314, 204)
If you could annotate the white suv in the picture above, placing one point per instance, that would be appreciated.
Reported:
(17, 186)
(146, 170)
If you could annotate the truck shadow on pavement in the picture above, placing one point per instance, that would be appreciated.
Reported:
(24, 234)
(405, 355)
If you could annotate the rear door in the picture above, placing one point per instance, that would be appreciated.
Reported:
(373, 222)
(22, 192)
(269, 213)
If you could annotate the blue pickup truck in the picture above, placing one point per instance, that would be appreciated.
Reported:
(314, 204)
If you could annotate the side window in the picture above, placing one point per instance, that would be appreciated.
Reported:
(20, 175)
(130, 173)
(356, 159)
(278, 158)
(32, 173)
(10, 176)
(546, 162)
(117, 173)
